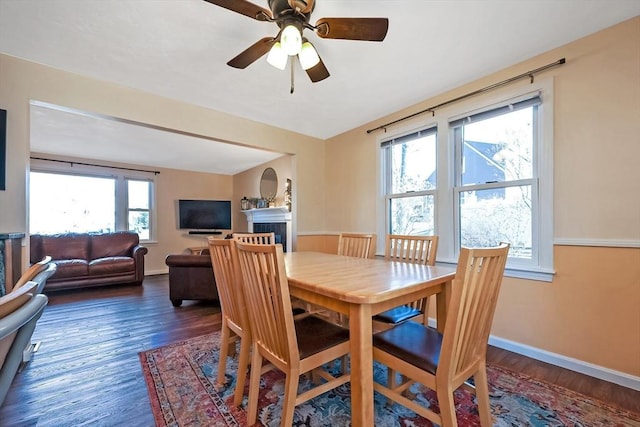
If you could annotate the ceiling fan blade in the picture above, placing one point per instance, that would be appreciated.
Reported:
(245, 8)
(368, 29)
(252, 53)
(318, 72)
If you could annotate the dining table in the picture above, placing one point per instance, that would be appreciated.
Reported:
(361, 288)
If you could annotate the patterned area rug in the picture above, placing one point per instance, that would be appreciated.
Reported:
(181, 377)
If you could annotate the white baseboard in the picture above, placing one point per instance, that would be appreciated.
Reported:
(586, 368)
(596, 371)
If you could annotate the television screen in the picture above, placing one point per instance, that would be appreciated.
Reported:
(205, 214)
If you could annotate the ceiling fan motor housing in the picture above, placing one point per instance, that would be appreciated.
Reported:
(282, 8)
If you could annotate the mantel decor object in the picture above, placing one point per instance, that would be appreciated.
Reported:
(268, 187)
(287, 194)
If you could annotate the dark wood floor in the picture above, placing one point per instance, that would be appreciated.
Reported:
(87, 370)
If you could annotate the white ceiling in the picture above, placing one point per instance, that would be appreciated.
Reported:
(179, 49)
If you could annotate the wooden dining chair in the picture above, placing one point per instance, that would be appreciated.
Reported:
(415, 250)
(235, 321)
(300, 307)
(444, 362)
(357, 245)
(292, 346)
(255, 238)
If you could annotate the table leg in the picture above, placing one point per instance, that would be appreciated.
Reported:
(442, 305)
(361, 365)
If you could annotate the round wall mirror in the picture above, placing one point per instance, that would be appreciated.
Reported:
(269, 184)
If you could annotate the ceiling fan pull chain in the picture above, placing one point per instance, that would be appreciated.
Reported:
(292, 61)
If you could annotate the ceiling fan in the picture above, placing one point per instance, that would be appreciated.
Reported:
(292, 17)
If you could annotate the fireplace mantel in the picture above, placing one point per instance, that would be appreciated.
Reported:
(275, 215)
(279, 214)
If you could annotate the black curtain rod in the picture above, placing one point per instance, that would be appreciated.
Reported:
(529, 74)
(91, 164)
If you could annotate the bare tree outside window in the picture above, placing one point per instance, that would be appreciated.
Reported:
(412, 169)
(495, 197)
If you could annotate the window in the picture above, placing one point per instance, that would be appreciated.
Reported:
(60, 201)
(138, 207)
(70, 203)
(410, 165)
(495, 177)
(481, 174)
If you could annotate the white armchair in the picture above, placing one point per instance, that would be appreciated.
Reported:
(19, 312)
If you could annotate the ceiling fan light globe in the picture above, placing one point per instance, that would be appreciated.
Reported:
(308, 56)
(277, 56)
(291, 40)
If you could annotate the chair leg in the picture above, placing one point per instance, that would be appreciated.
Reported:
(224, 351)
(290, 393)
(241, 375)
(482, 396)
(447, 406)
(254, 385)
(391, 383)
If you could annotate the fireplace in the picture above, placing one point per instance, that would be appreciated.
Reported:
(279, 229)
(276, 220)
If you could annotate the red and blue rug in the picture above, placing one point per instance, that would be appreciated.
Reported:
(181, 377)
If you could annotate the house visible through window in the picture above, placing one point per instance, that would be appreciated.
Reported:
(61, 202)
(495, 181)
(477, 179)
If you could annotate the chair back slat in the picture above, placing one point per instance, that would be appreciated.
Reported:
(357, 245)
(415, 250)
(266, 291)
(470, 315)
(412, 249)
(226, 273)
(255, 238)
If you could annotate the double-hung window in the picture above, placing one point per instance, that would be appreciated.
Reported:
(410, 182)
(82, 199)
(481, 174)
(495, 194)
(139, 198)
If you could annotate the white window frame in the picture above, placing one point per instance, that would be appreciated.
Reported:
(541, 265)
(125, 185)
(121, 177)
(386, 145)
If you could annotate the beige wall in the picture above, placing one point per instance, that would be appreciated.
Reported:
(589, 312)
(591, 309)
(248, 184)
(22, 82)
(171, 185)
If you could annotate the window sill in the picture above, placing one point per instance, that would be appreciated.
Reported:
(539, 275)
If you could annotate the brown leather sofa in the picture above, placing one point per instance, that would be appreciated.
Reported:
(85, 260)
(191, 278)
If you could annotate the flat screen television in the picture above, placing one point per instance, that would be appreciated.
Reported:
(204, 214)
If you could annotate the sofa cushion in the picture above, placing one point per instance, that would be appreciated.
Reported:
(110, 266)
(66, 246)
(71, 268)
(113, 244)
